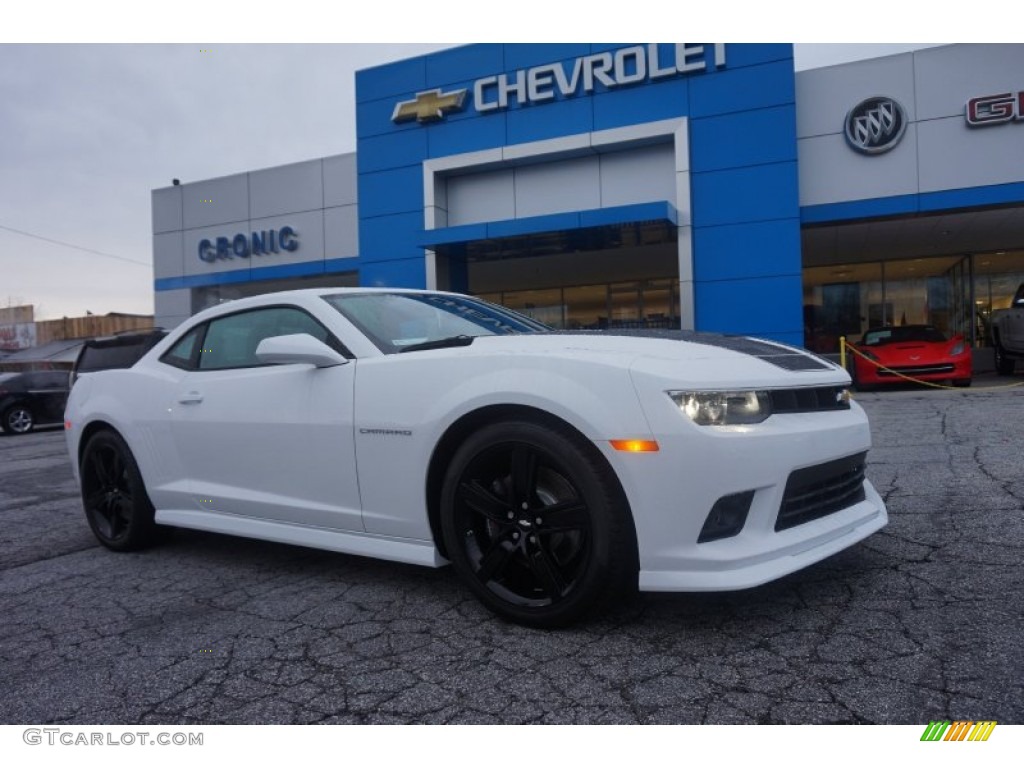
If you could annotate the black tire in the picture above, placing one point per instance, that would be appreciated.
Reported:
(18, 419)
(536, 525)
(961, 382)
(113, 495)
(1004, 364)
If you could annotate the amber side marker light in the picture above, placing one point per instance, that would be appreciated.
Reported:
(635, 446)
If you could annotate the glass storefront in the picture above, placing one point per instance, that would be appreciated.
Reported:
(636, 304)
(956, 294)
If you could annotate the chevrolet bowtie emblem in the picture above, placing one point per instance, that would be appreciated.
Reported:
(428, 106)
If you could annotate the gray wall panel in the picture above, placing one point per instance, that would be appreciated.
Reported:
(286, 189)
(825, 95)
(568, 185)
(196, 266)
(953, 155)
(477, 197)
(168, 255)
(640, 175)
(950, 75)
(831, 172)
(341, 232)
(308, 225)
(340, 180)
(171, 308)
(229, 196)
(166, 204)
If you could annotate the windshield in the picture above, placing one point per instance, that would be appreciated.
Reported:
(394, 321)
(902, 333)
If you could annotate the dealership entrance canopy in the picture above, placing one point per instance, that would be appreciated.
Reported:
(703, 186)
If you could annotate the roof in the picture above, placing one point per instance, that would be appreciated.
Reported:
(63, 351)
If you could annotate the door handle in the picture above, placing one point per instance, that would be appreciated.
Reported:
(191, 397)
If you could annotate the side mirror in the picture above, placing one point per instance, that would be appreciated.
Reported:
(297, 348)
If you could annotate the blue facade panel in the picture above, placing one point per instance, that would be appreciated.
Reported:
(738, 90)
(458, 136)
(386, 238)
(395, 150)
(726, 141)
(758, 249)
(615, 109)
(549, 121)
(536, 54)
(742, 145)
(758, 53)
(739, 195)
(463, 63)
(385, 192)
(407, 75)
(762, 306)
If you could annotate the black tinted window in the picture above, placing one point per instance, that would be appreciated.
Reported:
(231, 341)
(115, 356)
(181, 354)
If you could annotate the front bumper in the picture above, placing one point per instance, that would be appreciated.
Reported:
(672, 491)
(942, 369)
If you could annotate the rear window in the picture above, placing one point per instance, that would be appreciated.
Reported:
(120, 353)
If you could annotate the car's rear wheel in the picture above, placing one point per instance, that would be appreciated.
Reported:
(116, 504)
(536, 525)
(18, 419)
(1004, 363)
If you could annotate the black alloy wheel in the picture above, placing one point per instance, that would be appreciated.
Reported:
(116, 504)
(18, 419)
(535, 525)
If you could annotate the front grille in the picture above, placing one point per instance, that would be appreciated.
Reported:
(809, 399)
(916, 370)
(817, 491)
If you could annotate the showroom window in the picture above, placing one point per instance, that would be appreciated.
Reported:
(636, 304)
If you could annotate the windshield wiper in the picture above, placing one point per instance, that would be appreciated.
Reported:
(452, 341)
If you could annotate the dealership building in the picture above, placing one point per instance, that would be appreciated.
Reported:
(705, 186)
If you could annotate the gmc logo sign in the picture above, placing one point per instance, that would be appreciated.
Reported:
(999, 108)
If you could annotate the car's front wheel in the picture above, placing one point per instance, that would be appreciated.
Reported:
(18, 419)
(536, 525)
(116, 504)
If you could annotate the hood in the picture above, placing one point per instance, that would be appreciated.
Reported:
(675, 346)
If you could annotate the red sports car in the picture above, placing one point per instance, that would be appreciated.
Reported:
(920, 351)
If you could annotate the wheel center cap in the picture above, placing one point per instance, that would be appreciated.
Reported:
(525, 524)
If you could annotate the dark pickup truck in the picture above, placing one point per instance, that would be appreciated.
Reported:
(1008, 334)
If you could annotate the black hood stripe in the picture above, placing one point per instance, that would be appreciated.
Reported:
(787, 358)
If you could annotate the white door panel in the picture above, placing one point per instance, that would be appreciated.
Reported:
(271, 442)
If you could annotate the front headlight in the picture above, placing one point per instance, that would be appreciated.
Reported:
(721, 408)
(957, 349)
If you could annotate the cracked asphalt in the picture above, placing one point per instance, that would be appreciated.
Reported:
(922, 621)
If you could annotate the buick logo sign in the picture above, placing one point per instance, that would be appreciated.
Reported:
(876, 125)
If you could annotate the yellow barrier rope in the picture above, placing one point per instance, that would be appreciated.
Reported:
(842, 358)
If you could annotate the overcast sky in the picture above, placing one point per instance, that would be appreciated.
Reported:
(87, 131)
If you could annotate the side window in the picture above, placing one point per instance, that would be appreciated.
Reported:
(231, 341)
(181, 354)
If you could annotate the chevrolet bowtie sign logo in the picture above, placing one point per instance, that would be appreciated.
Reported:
(429, 106)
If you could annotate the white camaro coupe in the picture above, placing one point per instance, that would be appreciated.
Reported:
(554, 470)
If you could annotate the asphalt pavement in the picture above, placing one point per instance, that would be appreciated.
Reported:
(922, 621)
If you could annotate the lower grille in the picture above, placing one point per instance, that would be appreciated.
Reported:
(916, 370)
(818, 491)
